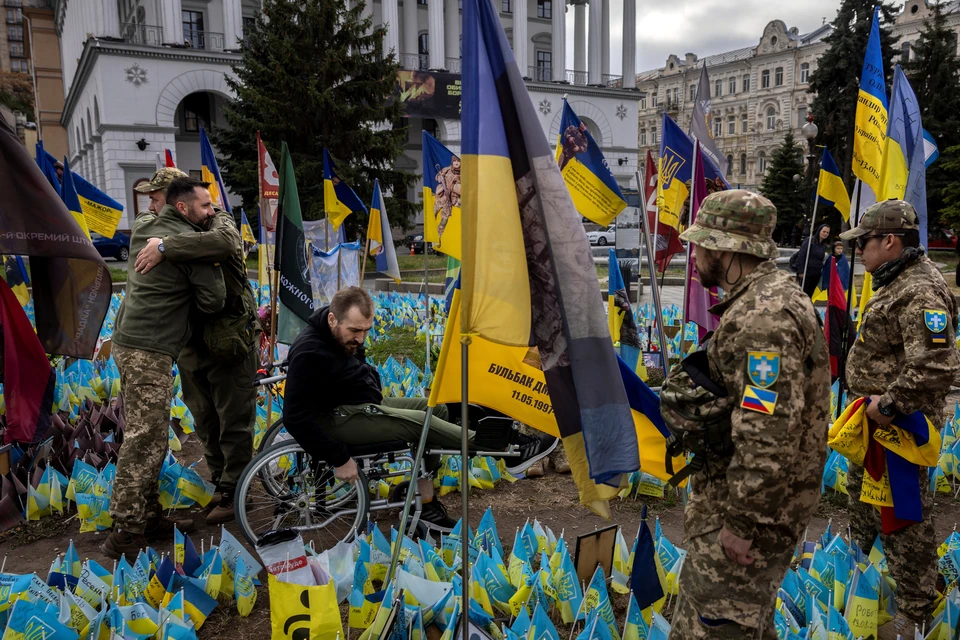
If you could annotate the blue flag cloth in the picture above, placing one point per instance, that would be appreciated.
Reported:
(644, 579)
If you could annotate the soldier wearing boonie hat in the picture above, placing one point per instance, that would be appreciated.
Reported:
(765, 377)
(156, 188)
(904, 359)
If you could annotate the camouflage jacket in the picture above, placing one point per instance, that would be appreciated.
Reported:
(906, 350)
(769, 353)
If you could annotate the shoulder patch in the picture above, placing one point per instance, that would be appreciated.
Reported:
(936, 321)
(763, 368)
(759, 400)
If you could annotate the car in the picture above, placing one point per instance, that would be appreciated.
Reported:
(416, 241)
(603, 237)
(116, 247)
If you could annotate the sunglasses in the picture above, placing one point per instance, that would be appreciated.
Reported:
(862, 240)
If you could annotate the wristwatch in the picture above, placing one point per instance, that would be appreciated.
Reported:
(886, 410)
(160, 246)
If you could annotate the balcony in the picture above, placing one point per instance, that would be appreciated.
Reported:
(539, 73)
(143, 34)
(576, 77)
(199, 39)
(454, 65)
(414, 61)
(612, 81)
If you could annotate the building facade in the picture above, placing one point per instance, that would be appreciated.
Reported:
(757, 92)
(141, 76)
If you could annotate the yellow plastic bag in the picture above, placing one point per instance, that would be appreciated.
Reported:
(299, 611)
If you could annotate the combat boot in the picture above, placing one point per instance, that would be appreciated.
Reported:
(224, 511)
(123, 543)
(161, 527)
(900, 627)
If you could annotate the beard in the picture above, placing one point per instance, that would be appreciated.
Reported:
(349, 347)
(711, 274)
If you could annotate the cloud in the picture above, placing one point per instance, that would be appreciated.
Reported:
(703, 27)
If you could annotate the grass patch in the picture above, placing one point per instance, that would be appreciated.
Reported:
(117, 274)
(404, 343)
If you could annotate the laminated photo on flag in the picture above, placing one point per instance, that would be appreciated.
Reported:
(441, 197)
(333, 270)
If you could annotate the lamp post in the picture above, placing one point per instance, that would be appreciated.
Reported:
(809, 131)
(796, 197)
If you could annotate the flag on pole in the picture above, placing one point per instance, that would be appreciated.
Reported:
(168, 157)
(47, 164)
(870, 121)
(623, 326)
(674, 172)
(700, 122)
(269, 186)
(159, 161)
(295, 295)
(68, 193)
(837, 320)
(699, 298)
(830, 188)
(101, 212)
(246, 235)
(339, 200)
(17, 278)
(594, 190)
(441, 197)
(211, 173)
(665, 239)
(904, 167)
(381, 238)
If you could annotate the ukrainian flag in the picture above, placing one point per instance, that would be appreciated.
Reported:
(674, 172)
(17, 278)
(339, 200)
(246, 234)
(870, 122)
(904, 167)
(380, 237)
(594, 190)
(68, 193)
(101, 212)
(441, 170)
(211, 173)
(830, 188)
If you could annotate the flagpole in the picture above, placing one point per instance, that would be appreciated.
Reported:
(655, 292)
(844, 336)
(426, 294)
(363, 262)
(464, 484)
(686, 268)
(813, 221)
(339, 260)
(274, 294)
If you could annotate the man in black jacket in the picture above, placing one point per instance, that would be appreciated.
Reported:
(333, 400)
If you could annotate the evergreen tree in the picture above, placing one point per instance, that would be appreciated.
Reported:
(837, 77)
(314, 74)
(948, 194)
(779, 186)
(935, 77)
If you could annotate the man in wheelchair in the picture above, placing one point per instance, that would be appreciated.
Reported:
(333, 400)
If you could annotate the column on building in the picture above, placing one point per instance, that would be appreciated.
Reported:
(580, 36)
(232, 25)
(437, 44)
(559, 40)
(410, 28)
(368, 13)
(391, 20)
(629, 44)
(171, 21)
(593, 43)
(108, 19)
(451, 33)
(521, 43)
(605, 41)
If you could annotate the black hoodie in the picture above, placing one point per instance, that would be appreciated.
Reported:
(818, 253)
(320, 378)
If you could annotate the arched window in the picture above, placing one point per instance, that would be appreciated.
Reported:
(771, 118)
(729, 165)
(778, 76)
(761, 162)
(805, 72)
(743, 164)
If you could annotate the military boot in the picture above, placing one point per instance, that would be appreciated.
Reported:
(900, 627)
(123, 543)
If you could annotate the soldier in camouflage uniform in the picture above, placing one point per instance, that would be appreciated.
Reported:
(904, 359)
(156, 188)
(756, 420)
(151, 329)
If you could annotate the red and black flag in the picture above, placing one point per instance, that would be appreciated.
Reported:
(837, 320)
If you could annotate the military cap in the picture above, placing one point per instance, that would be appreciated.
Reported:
(735, 220)
(161, 180)
(890, 216)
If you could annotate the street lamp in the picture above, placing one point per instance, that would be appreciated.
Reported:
(809, 131)
(796, 197)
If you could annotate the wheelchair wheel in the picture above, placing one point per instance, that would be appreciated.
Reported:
(276, 433)
(284, 488)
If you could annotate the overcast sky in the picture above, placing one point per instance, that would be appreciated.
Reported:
(703, 27)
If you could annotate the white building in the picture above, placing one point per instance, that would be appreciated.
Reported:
(140, 76)
(757, 91)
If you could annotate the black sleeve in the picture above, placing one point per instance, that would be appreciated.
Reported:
(308, 376)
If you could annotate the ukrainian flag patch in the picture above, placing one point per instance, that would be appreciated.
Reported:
(759, 400)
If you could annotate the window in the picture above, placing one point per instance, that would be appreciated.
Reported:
(193, 28)
(761, 162)
(733, 85)
(544, 8)
(643, 137)
(717, 128)
(731, 126)
(16, 49)
(544, 65)
(778, 76)
(729, 165)
(693, 92)
(743, 164)
(20, 66)
(746, 83)
(643, 103)
(904, 51)
(771, 118)
(765, 79)
(801, 116)
(718, 88)
(15, 34)
(505, 5)
(653, 135)
(423, 44)
(14, 16)
(248, 24)
(676, 95)
(743, 123)
(805, 72)
(196, 112)
(654, 101)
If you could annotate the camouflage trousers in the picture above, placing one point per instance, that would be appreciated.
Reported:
(720, 599)
(911, 552)
(147, 384)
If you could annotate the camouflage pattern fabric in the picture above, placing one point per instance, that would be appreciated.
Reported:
(897, 356)
(147, 383)
(767, 489)
(888, 216)
(161, 180)
(735, 220)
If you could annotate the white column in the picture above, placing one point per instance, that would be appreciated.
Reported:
(435, 23)
(451, 32)
(521, 43)
(580, 37)
(593, 44)
(171, 21)
(559, 40)
(368, 13)
(391, 20)
(605, 42)
(232, 25)
(629, 44)
(410, 28)
(108, 19)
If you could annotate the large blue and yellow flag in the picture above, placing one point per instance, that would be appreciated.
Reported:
(594, 190)
(17, 278)
(870, 122)
(68, 193)
(514, 203)
(441, 197)
(675, 172)
(101, 212)
(380, 238)
(210, 172)
(830, 188)
(339, 200)
(904, 167)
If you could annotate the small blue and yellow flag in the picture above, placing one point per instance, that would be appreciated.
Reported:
(68, 193)
(675, 170)
(830, 188)
(339, 200)
(17, 278)
(210, 172)
(246, 234)
(381, 238)
(594, 190)
(870, 121)
(441, 197)
(243, 590)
